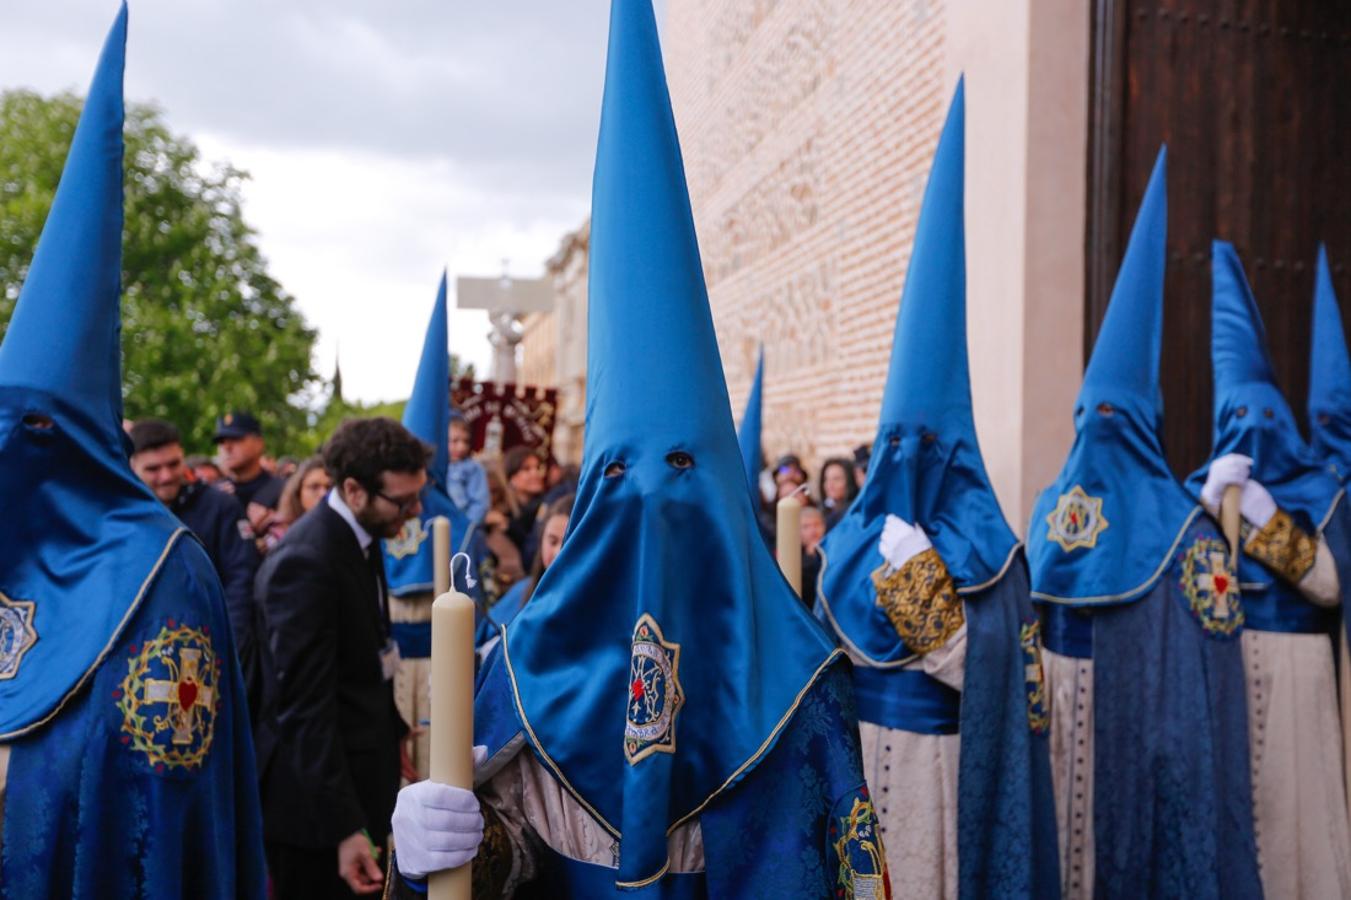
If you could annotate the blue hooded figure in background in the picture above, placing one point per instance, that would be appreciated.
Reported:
(122, 708)
(1295, 541)
(1329, 375)
(926, 586)
(1141, 619)
(408, 557)
(664, 718)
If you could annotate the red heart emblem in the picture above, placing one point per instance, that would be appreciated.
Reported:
(1221, 584)
(187, 694)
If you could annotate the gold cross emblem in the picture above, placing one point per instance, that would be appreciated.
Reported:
(1218, 582)
(185, 695)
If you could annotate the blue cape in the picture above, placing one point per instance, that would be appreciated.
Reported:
(1250, 413)
(748, 435)
(134, 777)
(662, 654)
(409, 557)
(926, 465)
(1329, 375)
(95, 534)
(1105, 530)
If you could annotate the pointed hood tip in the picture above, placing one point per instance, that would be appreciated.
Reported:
(1239, 353)
(1133, 325)
(932, 315)
(427, 413)
(69, 308)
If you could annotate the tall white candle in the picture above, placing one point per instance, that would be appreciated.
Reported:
(788, 541)
(440, 555)
(452, 738)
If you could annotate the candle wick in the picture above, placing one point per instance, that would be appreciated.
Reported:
(468, 569)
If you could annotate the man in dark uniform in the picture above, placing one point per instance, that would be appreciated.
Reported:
(239, 438)
(217, 520)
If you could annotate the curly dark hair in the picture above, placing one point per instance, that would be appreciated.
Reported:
(365, 448)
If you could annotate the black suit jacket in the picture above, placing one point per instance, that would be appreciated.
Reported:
(328, 738)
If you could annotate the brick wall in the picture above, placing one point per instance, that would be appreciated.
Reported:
(807, 128)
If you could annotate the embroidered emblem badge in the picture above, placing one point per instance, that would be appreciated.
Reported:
(858, 848)
(169, 697)
(1211, 587)
(1076, 521)
(1038, 716)
(409, 540)
(17, 635)
(654, 694)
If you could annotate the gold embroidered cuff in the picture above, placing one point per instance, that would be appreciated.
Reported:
(493, 862)
(1283, 547)
(920, 600)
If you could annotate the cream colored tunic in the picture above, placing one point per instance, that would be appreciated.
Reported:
(1069, 686)
(913, 781)
(535, 809)
(1295, 748)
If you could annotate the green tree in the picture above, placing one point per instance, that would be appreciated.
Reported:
(205, 328)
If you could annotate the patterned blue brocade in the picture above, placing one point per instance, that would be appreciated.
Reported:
(99, 807)
(1173, 795)
(1006, 829)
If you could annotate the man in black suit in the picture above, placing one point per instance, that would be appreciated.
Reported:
(329, 740)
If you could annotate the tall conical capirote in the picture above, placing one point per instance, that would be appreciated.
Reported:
(1102, 531)
(410, 557)
(63, 338)
(1250, 414)
(1329, 375)
(926, 465)
(427, 413)
(663, 567)
(748, 435)
(92, 535)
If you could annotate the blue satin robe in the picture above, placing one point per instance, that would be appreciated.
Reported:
(89, 813)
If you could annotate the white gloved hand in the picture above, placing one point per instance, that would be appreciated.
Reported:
(1256, 504)
(901, 541)
(1230, 469)
(436, 826)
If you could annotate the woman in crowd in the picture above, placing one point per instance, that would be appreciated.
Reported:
(551, 540)
(838, 488)
(504, 566)
(303, 490)
(526, 470)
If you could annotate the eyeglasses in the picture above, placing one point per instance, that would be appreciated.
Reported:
(404, 506)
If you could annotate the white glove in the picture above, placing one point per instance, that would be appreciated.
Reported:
(901, 541)
(1256, 504)
(1230, 469)
(436, 826)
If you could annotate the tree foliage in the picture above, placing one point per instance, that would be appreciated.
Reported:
(205, 328)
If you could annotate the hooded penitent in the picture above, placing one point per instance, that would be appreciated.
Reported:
(1329, 375)
(408, 557)
(1104, 531)
(927, 469)
(1251, 417)
(748, 435)
(1155, 632)
(134, 777)
(662, 655)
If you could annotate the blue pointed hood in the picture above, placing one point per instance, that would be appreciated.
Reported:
(1329, 375)
(1250, 414)
(1103, 532)
(95, 536)
(748, 435)
(696, 651)
(408, 557)
(926, 463)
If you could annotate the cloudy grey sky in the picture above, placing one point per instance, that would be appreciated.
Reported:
(385, 139)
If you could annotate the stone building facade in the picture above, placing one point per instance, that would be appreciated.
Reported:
(808, 128)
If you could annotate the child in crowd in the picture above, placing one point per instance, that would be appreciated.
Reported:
(466, 482)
